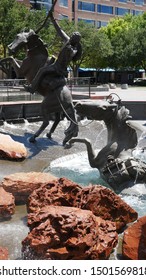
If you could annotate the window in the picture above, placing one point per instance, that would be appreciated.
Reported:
(63, 3)
(63, 16)
(121, 11)
(135, 13)
(123, 1)
(104, 9)
(104, 23)
(40, 4)
(84, 6)
(90, 21)
(73, 5)
(139, 2)
(101, 23)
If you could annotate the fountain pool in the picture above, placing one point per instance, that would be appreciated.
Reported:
(50, 156)
(76, 168)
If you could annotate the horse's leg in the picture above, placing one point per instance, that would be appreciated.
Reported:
(14, 63)
(72, 130)
(45, 123)
(56, 122)
(39, 131)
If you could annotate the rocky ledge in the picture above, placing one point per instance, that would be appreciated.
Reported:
(7, 204)
(134, 241)
(10, 149)
(64, 233)
(22, 184)
(102, 201)
(4, 255)
(68, 221)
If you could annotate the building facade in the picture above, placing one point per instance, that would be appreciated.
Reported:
(26, 2)
(96, 12)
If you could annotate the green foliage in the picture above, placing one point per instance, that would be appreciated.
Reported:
(120, 45)
(100, 50)
(12, 16)
(128, 40)
(96, 45)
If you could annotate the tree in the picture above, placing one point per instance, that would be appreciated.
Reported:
(117, 31)
(137, 42)
(94, 52)
(128, 40)
(55, 43)
(12, 16)
(100, 50)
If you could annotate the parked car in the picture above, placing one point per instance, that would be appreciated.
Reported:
(140, 82)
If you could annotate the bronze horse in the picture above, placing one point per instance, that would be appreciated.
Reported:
(115, 161)
(55, 101)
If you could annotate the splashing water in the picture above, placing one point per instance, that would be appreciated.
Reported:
(13, 231)
(76, 168)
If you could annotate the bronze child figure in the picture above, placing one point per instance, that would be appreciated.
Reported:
(71, 51)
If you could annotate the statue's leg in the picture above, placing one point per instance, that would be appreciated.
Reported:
(36, 80)
(56, 122)
(72, 130)
(45, 123)
(40, 130)
(38, 77)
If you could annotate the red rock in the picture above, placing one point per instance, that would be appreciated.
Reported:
(64, 233)
(10, 149)
(22, 184)
(4, 253)
(106, 204)
(7, 204)
(100, 200)
(134, 240)
(61, 191)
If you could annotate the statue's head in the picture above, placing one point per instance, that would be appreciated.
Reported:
(21, 40)
(96, 110)
(75, 38)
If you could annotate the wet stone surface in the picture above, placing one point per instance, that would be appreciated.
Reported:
(44, 150)
(40, 155)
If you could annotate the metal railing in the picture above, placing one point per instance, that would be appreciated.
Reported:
(82, 84)
(13, 89)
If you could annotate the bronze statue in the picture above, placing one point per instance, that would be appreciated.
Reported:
(115, 161)
(71, 51)
(48, 76)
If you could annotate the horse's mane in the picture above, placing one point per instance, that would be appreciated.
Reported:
(123, 114)
(35, 41)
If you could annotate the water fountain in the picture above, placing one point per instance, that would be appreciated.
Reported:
(49, 155)
(40, 155)
(43, 155)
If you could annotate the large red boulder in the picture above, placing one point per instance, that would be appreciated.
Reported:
(106, 204)
(4, 254)
(22, 184)
(10, 149)
(64, 233)
(7, 204)
(61, 192)
(134, 240)
(100, 200)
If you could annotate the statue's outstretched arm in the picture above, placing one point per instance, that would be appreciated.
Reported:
(60, 32)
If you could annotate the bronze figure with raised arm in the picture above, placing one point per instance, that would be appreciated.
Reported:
(71, 51)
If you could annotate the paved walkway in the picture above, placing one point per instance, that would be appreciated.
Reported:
(130, 94)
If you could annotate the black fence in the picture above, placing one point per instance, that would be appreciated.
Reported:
(13, 89)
